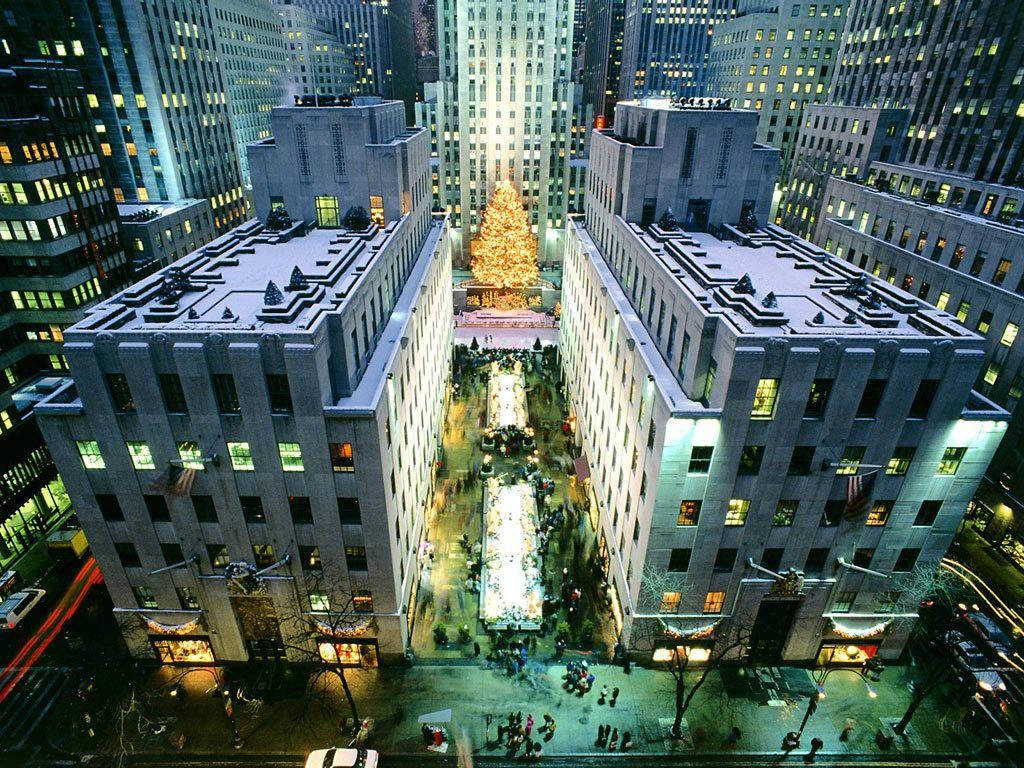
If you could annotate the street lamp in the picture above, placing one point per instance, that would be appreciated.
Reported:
(819, 685)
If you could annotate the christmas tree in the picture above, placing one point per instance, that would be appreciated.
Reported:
(505, 254)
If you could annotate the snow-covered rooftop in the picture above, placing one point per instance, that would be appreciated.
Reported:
(772, 283)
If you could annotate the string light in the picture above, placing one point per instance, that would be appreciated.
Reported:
(505, 254)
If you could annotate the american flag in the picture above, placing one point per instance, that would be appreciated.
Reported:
(858, 493)
(176, 481)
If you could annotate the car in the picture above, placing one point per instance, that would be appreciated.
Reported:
(339, 757)
(975, 666)
(988, 633)
(17, 606)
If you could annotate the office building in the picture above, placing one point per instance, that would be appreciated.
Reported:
(292, 383)
(253, 56)
(602, 57)
(835, 141)
(60, 252)
(958, 67)
(324, 160)
(319, 64)
(381, 38)
(777, 58)
(503, 111)
(724, 388)
(159, 233)
(666, 46)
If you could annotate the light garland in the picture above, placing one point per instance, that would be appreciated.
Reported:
(359, 629)
(172, 629)
(689, 634)
(505, 254)
(849, 633)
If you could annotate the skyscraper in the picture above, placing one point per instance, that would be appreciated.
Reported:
(665, 46)
(380, 33)
(318, 62)
(602, 56)
(503, 110)
(777, 57)
(60, 251)
(958, 68)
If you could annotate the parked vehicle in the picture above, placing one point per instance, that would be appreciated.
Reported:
(987, 633)
(10, 581)
(338, 757)
(14, 609)
(975, 666)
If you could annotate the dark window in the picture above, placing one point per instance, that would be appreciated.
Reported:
(109, 506)
(816, 559)
(173, 394)
(785, 512)
(157, 508)
(725, 560)
(679, 560)
(870, 399)
(927, 512)
(355, 558)
(218, 553)
(172, 553)
(862, 557)
(301, 511)
(128, 556)
(310, 559)
(833, 513)
(771, 558)
(120, 393)
(907, 559)
(750, 459)
(348, 510)
(252, 509)
(227, 396)
(279, 393)
(700, 459)
(818, 398)
(800, 462)
(923, 399)
(205, 511)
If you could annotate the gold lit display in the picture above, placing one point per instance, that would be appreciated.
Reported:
(505, 254)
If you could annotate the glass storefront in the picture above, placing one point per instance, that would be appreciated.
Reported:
(352, 654)
(696, 653)
(848, 652)
(182, 650)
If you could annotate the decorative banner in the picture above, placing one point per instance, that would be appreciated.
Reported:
(850, 633)
(348, 630)
(696, 633)
(171, 629)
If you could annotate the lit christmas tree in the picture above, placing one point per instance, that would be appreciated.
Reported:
(505, 254)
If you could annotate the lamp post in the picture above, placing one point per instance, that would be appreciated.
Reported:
(868, 673)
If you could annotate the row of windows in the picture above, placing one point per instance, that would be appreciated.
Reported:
(191, 457)
(252, 509)
(786, 509)
(766, 397)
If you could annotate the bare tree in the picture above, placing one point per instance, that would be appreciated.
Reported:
(315, 637)
(655, 632)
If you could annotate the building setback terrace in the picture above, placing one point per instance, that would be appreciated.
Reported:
(770, 283)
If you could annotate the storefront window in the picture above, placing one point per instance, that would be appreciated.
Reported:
(846, 653)
(183, 650)
(362, 654)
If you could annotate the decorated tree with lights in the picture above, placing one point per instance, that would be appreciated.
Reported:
(505, 254)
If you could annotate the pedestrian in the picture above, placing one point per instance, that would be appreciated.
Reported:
(529, 724)
(733, 738)
(613, 742)
(790, 742)
(627, 741)
(615, 696)
(476, 649)
(847, 730)
(551, 730)
(604, 694)
(600, 736)
(488, 735)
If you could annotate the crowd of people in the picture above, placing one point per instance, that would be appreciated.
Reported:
(516, 733)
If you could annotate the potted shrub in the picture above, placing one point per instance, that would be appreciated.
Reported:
(440, 633)
(585, 638)
(357, 219)
(563, 631)
(464, 634)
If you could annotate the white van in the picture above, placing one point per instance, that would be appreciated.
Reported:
(17, 606)
(337, 757)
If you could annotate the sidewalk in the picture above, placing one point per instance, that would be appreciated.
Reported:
(395, 698)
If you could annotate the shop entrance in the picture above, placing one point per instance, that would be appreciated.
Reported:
(771, 630)
(182, 650)
(260, 628)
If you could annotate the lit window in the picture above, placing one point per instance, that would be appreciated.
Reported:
(850, 462)
(689, 512)
(142, 457)
(241, 457)
(190, 455)
(950, 462)
(785, 512)
(327, 211)
(879, 513)
(736, 514)
(670, 602)
(291, 456)
(764, 399)
(899, 464)
(714, 602)
(341, 457)
(89, 450)
(1009, 334)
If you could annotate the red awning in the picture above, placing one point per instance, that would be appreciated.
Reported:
(582, 468)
